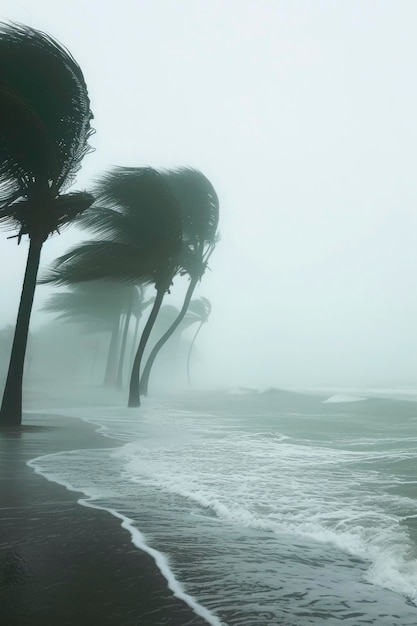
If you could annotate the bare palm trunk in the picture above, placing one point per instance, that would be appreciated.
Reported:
(119, 382)
(135, 338)
(190, 350)
(134, 397)
(110, 375)
(144, 381)
(11, 408)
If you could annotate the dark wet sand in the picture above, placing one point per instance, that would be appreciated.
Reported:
(62, 563)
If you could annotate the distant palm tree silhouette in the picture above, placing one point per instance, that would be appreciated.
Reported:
(198, 311)
(99, 306)
(44, 130)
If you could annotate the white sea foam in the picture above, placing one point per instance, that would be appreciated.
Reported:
(342, 397)
(262, 480)
(306, 491)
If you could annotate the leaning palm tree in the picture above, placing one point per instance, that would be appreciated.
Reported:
(200, 216)
(139, 224)
(44, 129)
(198, 311)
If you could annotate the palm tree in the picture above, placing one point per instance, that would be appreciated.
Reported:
(136, 305)
(44, 130)
(139, 223)
(198, 311)
(97, 305)
(200, 216)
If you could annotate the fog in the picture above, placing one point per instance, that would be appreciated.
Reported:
(303, 116)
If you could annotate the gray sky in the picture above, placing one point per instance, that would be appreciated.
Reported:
(303, 116)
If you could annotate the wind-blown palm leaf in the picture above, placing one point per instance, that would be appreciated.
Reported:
(92, 302)
(100, 260)
(39, 223)
(199, 204)
(44, 115)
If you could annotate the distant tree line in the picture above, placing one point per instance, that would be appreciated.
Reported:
(149, 226)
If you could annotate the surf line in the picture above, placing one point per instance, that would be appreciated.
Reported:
(137, 538)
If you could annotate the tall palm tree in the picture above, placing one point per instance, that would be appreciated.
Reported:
(200, 216)
(139, 224)
(44, 129)
(198, 311)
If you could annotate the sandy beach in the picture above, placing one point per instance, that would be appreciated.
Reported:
(61, 562)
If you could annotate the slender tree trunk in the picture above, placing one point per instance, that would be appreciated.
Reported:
(110, 375)
(11, 408)
(190, 350)
(119, 382)
(134, 397)
(135, 338)
(144, 381)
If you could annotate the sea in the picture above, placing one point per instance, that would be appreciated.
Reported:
(264, 507)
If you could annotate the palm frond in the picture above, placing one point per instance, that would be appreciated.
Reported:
(27, 217)
(200, 216)
(94, 304)
(97, 260)
(44, 131)
(135, 205)
(198, 201)
(44, 113)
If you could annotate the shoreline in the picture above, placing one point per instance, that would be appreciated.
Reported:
(62, 562)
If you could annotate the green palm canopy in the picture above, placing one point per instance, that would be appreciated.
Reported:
(44, 131)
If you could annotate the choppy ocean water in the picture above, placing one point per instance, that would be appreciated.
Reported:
(264, 508)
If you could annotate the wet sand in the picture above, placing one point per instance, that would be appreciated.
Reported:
(63, 563)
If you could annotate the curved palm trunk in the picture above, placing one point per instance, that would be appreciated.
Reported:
(134, 397)
(110, 375)
(119, 382)
(144, 381)
(190, 350)
(11, 408)
(135, 338)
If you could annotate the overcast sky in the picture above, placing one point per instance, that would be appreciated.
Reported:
(303, 114)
